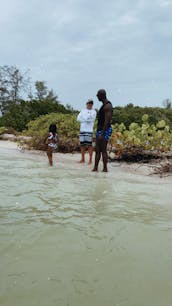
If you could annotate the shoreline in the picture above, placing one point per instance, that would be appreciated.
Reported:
(143, 169)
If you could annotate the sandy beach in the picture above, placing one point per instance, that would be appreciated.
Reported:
(60, 159)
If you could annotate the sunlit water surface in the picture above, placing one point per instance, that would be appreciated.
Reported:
(70, 237)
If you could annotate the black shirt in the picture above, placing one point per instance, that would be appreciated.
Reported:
(101, 117)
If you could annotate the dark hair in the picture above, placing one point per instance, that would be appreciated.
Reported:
(53, 128)
(90, 102)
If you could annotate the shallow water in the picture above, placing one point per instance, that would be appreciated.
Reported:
(70, 237)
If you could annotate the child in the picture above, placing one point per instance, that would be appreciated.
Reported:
(51, 141)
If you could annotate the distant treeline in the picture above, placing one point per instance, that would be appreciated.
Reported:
(17, 116)
(18, 112)
(131, 113)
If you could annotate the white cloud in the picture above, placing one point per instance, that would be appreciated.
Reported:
(80, 46)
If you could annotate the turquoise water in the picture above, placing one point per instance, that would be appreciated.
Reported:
(70, 237)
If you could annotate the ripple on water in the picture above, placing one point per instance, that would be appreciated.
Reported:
(72, 237)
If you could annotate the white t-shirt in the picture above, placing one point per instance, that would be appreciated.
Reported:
(86, 118)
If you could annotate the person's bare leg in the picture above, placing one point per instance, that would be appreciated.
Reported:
(90, 151)
(50, 157)
(82, 155)
(105, 157)
(97, 159)
(97, 156)
(105, 160)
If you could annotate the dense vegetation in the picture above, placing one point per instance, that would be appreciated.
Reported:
(140, 140)
(135, 129)
(17, 116)
(134, 141)
(131, 113)
(68, 131)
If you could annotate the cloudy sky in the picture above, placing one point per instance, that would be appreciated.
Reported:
(79, 46)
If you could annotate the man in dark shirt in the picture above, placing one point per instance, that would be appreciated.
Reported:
(104, 130)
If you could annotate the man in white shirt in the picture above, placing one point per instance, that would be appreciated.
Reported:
(86, 118)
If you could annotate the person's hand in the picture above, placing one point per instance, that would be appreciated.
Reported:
(100, 137)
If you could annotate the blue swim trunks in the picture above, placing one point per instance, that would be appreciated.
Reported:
(106, 134)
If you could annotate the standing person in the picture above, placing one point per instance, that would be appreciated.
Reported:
(86, 118)
(51, 141)
(104, 130)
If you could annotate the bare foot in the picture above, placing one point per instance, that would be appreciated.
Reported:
(105, 170)
(90, 162)
(81, 161)
(95, 170)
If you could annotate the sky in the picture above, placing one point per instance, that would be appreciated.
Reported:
(80, 46)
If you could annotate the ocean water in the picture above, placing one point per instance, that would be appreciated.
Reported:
(71, 237)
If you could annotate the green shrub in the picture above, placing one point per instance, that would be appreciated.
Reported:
(68, 131)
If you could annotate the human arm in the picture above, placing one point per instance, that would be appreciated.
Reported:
(91, 116)
(86, 116)
(46, 139)
(80, 117)
(108, 116)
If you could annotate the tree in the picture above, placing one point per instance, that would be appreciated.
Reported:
(13, 84)
(4, 93)
(3, 98)
(69, 108)
(167, 103)
(41, 90)
(52, 97)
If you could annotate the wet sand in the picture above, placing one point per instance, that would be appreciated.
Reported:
(145, 169)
